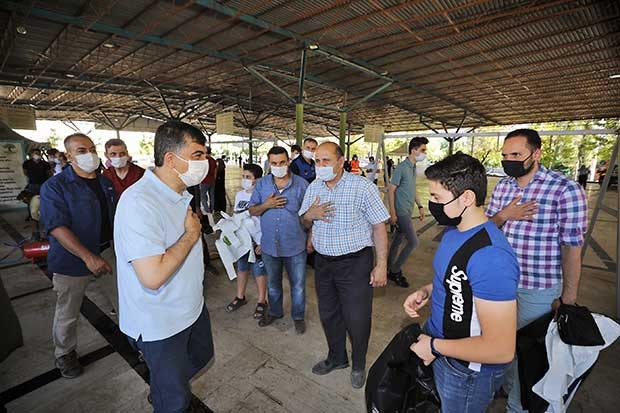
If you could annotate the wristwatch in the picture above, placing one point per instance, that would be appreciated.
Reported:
(433, 349)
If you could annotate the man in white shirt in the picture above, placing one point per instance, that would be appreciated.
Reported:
(160, 268)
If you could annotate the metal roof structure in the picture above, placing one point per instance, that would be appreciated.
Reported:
(407, 65)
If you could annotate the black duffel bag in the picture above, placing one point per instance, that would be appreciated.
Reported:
(398, 380)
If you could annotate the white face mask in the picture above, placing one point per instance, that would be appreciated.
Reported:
(196, 171)
(36, 157)
(420, 157)
(88, 162)
(119, 162)
(325, 173)
(246, 184)
(308, 154)
(279, 171)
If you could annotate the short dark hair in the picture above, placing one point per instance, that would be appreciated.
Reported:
(256, 170)
(371, 158)
(52, 151)
(172, 136)
(458, 173)
(533, 138)
(114, 142)
(310, 140)
(296, 148)
(277, 150)
(416, 142)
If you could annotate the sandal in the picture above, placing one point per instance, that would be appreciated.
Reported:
(259, 312)
(235, 304)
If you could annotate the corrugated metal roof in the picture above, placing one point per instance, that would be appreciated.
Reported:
(498, 61)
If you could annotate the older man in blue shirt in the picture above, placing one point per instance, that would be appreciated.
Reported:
(277, 199)
(77, 211)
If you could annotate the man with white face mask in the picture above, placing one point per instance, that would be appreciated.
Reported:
(77, 212)
(402, 193)
(347, 218)
(122, 172)
(303, 165)
(276, 200)
(160, 267)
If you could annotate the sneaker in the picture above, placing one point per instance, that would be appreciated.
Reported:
(358, 377)
(69, 365)
(324, 367)
(398, 278)
(300, 327)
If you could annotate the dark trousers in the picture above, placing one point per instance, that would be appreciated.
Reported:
(174, 361)
(345, 303)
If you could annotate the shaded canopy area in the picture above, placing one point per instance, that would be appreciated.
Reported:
(407, 65)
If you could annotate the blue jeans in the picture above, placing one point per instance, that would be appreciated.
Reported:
(258, 267)
(463, 390)
(207, 196)
(296, 270)
(174, 361)
(531, 305)
(404, 230)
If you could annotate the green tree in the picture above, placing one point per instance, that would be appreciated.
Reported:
(53, 138)
(146, 146)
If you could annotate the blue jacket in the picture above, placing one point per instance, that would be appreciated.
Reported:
(66, 200)
(306, 170)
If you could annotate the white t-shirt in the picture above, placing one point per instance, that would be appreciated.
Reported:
(372, 167)
(242, 204)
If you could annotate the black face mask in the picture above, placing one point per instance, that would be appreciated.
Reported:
(517, 169)
(437, 211)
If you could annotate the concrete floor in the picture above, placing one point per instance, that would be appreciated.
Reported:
(255, 369)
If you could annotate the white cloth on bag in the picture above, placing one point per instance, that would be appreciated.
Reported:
(235, 240)
(567, 362)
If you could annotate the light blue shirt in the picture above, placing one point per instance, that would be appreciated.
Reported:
(150, 218)
(358, 208)
(282, 232)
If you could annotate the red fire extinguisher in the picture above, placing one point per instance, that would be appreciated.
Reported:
(36, 249)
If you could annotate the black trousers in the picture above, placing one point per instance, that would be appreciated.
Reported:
(345, 303)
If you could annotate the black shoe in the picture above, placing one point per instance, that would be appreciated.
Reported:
(267, 320)
(398, 278)
(69, 365)
(358, 377)
(324, 367)
(300, 327)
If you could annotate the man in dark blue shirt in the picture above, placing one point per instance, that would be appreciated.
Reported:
(303, 165)
(77, 211)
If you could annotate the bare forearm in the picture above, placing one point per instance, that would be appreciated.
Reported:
(379, 235)
(71, 243)
(257, 210)
(153, 272)
(391, 197)
(571, 273)
(479, 349)
(498, 219)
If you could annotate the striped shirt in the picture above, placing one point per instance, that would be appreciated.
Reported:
(358, 208)
(561, 220)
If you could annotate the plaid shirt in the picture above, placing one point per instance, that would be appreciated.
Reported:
(561, 220)
(358, 208)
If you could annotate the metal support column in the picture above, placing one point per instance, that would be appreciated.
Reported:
(343, 130)
(299, 123)
(250, 160)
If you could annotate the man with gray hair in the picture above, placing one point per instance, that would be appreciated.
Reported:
(77, 212)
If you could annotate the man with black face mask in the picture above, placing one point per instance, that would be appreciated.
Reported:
(544, 216)
(472, 327)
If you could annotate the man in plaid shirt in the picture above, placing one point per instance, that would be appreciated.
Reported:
(544, 217)
(347, 218)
